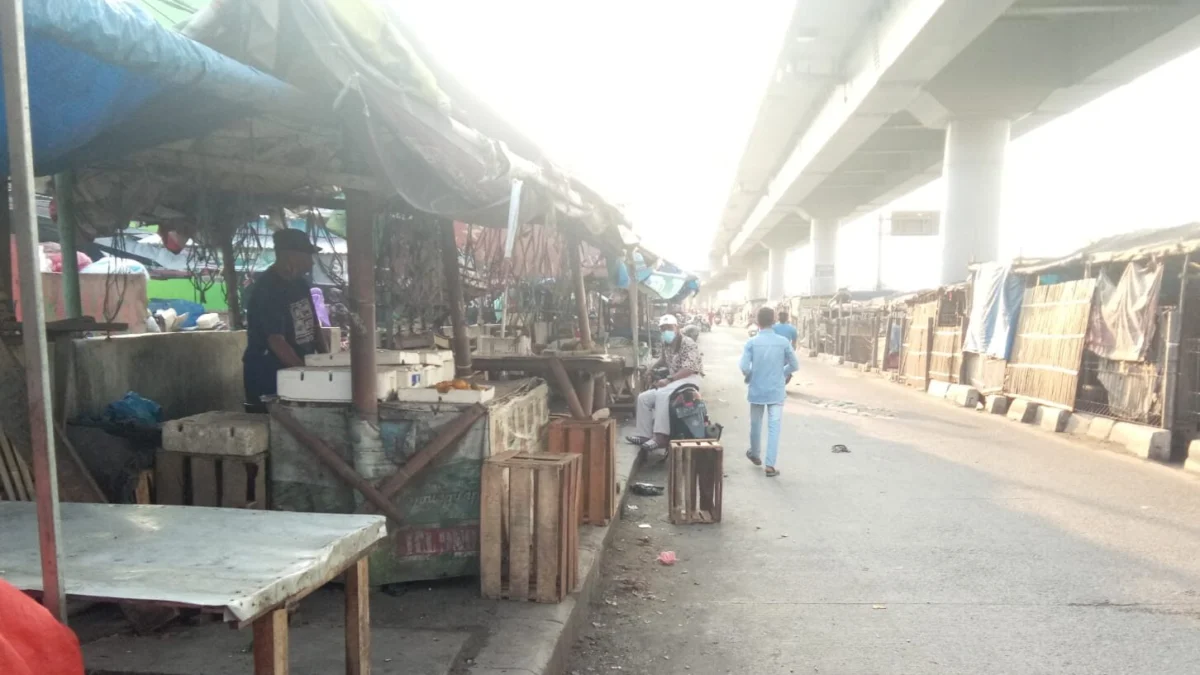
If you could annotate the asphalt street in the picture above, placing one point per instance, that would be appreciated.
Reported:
(945, 541)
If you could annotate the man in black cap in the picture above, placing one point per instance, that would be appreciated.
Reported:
(282, 325)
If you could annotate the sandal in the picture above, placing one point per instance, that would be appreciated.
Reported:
(771, 472)
(636, 440)
(651, 445)
(753, 460)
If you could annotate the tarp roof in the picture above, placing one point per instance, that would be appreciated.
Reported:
(1127, 247)
(104, 77)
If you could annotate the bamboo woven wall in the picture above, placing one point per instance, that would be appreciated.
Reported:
(1048, 346)
(946, 360)
(914, 356)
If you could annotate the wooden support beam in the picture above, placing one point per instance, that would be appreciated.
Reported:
(445, 439)
(229, 274)
(360, 254)
(358, 618)
(563, 382)
(335, 463)
(271, 643)
(580, 288)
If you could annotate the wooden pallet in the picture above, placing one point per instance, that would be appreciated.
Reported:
(596, 442)
(529, 526)
(694, 481)
(233, 481)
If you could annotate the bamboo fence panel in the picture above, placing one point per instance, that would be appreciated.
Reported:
(914, 355)
(945, 363)
(1048, 347)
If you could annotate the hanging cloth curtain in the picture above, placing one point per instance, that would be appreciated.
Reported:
(1124, 314)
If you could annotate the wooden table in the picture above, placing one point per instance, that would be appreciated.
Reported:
(590, 373)
(249, 566)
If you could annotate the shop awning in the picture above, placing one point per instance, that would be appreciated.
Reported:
(106, 79)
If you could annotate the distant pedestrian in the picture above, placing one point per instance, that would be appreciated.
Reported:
(768, 361)
(786, 329)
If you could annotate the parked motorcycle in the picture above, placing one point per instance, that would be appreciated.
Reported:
(688, 412)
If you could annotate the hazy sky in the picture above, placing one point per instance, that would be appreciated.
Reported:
(651, 103)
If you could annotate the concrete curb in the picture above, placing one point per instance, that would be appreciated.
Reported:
(533, 639)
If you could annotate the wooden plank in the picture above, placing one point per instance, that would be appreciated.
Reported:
(144, 492)
(576, 468)
(551, 483)
(490, 530)
(261, 496)
(358, 618)
(234, 483)
(520, 485)
(9, 472)
(597, 481)
(204, 481)
(168, 478)
(23, 471)
(271, 643)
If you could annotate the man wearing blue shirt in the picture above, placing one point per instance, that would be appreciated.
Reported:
(767, 362)
(786, 329)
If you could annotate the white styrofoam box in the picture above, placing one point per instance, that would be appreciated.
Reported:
(308, 383)
(383, 357)
(435, 357)
(410, 377)
(431, 375)
(219, 433)
(431, 395)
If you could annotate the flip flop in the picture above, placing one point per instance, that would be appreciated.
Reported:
(771, 472)
(636, 440)
(651, 445)
(753, 460)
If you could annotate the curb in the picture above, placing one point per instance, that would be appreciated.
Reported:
(533, 639)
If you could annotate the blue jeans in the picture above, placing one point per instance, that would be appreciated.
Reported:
(774, 418)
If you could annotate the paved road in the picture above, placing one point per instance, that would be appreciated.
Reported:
(945, 542)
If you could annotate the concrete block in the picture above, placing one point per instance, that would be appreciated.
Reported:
(1052, 419)
(1022, 410)
(964, 395)
(996, 404)
(218, 433)
(938, 389)
(812, 353)
(1147, 442)
(1100, 428)
(1192, 463)
(1078, 424)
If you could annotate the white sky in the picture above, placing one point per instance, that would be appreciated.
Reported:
(650, 103)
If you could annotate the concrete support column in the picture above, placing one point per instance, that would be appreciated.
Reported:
(974, 173)
(777, 265)
(823, 241)
(754, 282)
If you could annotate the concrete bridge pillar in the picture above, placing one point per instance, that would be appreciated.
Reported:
(974, 173)
(823, 240)
(776, 264)
(755, 288)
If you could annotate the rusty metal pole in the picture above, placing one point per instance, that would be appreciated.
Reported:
(454, 297)
(581, 305)
(37, 366)
(370, 461)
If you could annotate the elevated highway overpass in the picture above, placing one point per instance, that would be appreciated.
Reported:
(874, 98)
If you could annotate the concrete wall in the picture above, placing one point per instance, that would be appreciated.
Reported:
(185, 373)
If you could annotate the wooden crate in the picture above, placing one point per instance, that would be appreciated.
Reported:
(596, 442)
(694, 472)
(529, 526)
(234, 481)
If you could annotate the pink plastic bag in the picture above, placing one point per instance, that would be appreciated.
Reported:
(667, 558)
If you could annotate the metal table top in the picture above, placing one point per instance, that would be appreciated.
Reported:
(241, 562)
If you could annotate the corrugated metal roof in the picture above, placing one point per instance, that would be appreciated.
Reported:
(1127, 247)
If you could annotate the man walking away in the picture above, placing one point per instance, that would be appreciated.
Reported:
(681, 356)
(786, 329)
(767, 362)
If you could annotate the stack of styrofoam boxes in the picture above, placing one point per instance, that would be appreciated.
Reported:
(439, 365)
(326, 377)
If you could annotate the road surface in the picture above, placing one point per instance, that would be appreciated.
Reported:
(945, 542)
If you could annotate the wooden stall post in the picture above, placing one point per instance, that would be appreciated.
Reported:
(634, 321)
(271, 643)
(580, 287)
(454, 298)
(930, 326)
(230, 274)
(360, 245)
(358, 618)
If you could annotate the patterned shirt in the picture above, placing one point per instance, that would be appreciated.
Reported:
(687, 358)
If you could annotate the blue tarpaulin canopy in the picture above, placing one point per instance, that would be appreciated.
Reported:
(666, 280)
(106, 79)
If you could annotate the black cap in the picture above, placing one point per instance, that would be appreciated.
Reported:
(288, 239)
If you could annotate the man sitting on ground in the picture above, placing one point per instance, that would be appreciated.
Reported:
(681, 356)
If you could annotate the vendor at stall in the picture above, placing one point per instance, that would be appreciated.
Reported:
(282, 325)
